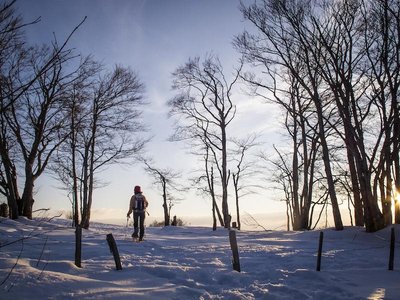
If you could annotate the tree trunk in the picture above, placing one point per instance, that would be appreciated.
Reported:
(214, 217)
(331, 187)
(387, 199)
(224, 179)
(75, 203)
(210, 180)
(215, 205)
(287, 216)
(27, 196)
(235, 183)
(12, 188)
(165, 206)
(358, 205)
(374, 220)
(295, 179)
(84, 188)
(86, 223)
(396, 160)
(328, 171)
(308, 163)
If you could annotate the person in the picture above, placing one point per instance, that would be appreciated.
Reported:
(174, 222)
(138, 205)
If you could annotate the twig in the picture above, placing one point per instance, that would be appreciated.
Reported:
(41, 254)
(255, 221)
(41, 209)
(16, 263)
(45, 265)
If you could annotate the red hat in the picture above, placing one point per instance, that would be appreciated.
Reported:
(137, 189)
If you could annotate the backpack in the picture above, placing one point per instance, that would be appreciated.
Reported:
(139, 202)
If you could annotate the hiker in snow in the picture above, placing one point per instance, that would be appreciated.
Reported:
(138, 205)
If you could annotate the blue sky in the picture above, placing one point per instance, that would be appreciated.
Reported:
(153, 37)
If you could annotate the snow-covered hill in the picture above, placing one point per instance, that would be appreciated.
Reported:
(37, 262)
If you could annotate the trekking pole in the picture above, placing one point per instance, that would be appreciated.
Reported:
(127, 226)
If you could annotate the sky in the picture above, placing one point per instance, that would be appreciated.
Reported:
(152, 37)
(37, 262)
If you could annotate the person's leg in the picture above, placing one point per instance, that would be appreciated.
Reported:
(135, 225)
(142, 216)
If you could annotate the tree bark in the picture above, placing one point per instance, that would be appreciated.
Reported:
(165, 205)
(358, 205)
(75, 203)
(328, 171)
(12, 189)
(224, 178)
(27, 196)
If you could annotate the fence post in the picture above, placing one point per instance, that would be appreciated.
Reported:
(114, 250)
(78, 246)
(321, 239)
(391, 255)
(235, 250)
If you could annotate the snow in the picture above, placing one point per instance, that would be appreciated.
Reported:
(37, 262)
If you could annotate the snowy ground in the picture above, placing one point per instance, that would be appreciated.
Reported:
(37, 262)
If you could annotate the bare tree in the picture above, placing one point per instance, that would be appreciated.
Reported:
(67, 162)
(342, 68)
(245, 172)
(204, 184)
(104, 127)
(382, 45)
(349, 51)
(36, 118)
(301, 124)
(205, 105)
(23, 72)
(281, 47)
(12, 62)
(111, 131)
(167, 180)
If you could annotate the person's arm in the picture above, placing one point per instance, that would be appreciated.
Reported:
(146, 203)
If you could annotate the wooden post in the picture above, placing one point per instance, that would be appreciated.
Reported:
(114, 250)
(78, 246)
(321, 239)
(235, 251)
(391, 255)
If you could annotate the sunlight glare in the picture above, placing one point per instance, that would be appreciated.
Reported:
(378, 294)
(396, 200)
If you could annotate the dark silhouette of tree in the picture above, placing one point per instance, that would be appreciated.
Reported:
(67, 163)
(12, 62)
(342, 69)
(280, 46)
(382, 45)
(105, 126)
(348, 57)
(36, 118)
(205, 109)
(30, 83)
(167, 181)
(244, 176)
